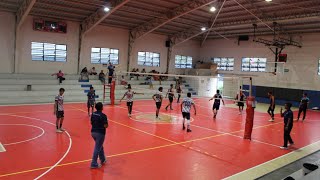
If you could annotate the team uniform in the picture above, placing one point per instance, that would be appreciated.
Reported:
(240, 103)
(288, 122)
(129, 96)
(158, 97)
(303, 107)
(91, 99)
(271, 108)
(217, 100)
(59, 106)
(179, 90)
(170, 95)
(187, 103)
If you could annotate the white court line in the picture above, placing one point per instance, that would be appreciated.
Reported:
(2, 149)
(66, 153)
(274, 164)
(19, 142)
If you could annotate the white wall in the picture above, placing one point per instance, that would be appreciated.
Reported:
(105, 37)
(100, 36)
(24, 64)
(302, 62)
(7, 25)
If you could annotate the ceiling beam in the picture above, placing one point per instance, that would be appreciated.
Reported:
(97, 17)
(23, 11)
(154, 24)
(212, 24)
(182, 37)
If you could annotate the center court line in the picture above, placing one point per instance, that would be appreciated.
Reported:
(70, 144)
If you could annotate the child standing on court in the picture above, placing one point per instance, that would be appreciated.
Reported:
(185, 109)
(158, 99)
(216, 105)
(59, 110)
(99, 123)
(129, 94)
(91, 100)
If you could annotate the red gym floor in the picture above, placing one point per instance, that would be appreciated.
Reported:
(139, 148)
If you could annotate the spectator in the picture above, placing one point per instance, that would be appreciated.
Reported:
(111, 70)
(123, 81)
(93, 71)
(137, 75)
(143, 71)
(132, 74)
(59, 75)
(84, 75)
(102, 77)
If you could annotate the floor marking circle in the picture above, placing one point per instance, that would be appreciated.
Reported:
(65, 154)
(19, 142)
(165, 118)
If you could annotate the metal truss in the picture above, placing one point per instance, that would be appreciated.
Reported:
(97, 17)
(24, 10)
(152, 25)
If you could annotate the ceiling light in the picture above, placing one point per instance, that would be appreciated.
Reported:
(203, 29)
(106, 9)
(268, 0)
(213, 9)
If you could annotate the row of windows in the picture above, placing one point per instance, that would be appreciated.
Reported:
(56, 52)
(247, 64)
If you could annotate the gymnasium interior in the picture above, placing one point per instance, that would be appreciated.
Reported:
(250, 47)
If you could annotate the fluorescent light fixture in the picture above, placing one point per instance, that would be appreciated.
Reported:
(203, 29)
(268, 0)
(106, 9)
(213, 9)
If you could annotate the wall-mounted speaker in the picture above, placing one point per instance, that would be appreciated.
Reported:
(243, 38)
(168, 44)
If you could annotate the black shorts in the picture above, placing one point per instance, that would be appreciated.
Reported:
(170, 99)
(90, 104)
(186, 115)
(60, 114)
(216, 106)
(240, 104)
(271, 108)
(129, 103)
(158, 105)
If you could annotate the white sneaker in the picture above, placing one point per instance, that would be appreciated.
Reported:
(290, 144)
(282, 147)
(59, 131)
(271, 120)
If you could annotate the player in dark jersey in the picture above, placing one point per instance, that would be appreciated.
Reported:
(240, 98)
(59, 110)
(271, 106)
(303, 106)
(179, 91)
(170, 95)
(288, 125)
(216, 105)
(129, 95)
(158, 99)
(91, 100)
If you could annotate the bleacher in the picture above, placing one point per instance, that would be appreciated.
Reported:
(14, 88)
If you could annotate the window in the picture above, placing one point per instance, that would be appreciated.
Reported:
(48, 52)
(148, 59)
(224, 64)
(254, 64)
(104, 56)
(183, 61)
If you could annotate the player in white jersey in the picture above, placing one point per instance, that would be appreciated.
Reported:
(59, 110)
(129, 95)
(158, 99)
(185, 109)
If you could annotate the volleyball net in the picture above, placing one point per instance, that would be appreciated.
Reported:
(198, 86)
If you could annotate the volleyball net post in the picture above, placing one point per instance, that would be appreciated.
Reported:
(250, 102)
(109, 92)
